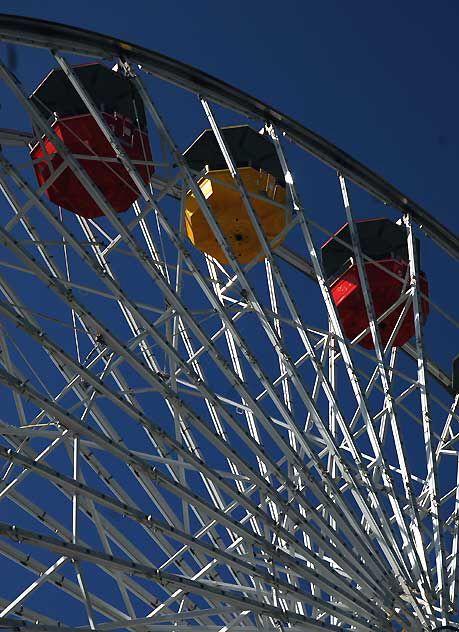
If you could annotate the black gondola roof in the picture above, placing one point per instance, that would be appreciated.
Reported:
(379, 239)
(111, 91)
(248, 149)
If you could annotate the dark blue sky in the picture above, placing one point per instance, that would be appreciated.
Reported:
(380, 80)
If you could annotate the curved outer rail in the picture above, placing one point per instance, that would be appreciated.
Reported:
(40, 33)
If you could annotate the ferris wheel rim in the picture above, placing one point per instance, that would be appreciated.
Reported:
(332, 392)
(53, 35)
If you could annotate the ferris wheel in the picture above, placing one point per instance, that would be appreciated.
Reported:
(228, 367)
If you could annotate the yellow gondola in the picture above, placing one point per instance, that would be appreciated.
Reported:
(261, 173)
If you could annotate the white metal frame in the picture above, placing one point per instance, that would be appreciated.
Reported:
(314, 517)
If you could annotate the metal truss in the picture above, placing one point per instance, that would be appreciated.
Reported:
(188, 444)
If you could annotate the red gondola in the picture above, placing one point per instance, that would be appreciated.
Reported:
(122, 109)
(385, 242)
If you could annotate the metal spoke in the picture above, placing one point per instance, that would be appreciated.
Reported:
(190, 438)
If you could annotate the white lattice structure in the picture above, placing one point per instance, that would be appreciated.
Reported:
(189, 444)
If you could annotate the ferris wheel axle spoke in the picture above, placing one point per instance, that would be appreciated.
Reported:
(67, 360)
(67, 585)
(82, 488)
(59, 478)
(372, 383)
(415, 548)
(226, 457)
(157, 474)
(387, 540)
(30, 616)
(7, 363)
(432, 474)
(154, 366)
(92, 515)
(216, 229)
(81, 554)
(107, 528)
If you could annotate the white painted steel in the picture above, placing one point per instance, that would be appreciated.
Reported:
(185, 443)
